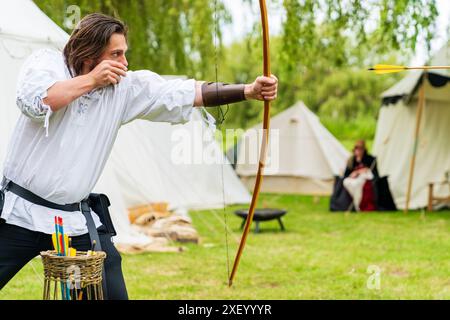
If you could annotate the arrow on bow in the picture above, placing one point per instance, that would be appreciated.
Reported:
(264, 143)
(385, 68)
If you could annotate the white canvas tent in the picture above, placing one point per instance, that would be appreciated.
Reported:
(140, 169)
(303, 156)
(193, 184)
(395, 142)
(18, 39)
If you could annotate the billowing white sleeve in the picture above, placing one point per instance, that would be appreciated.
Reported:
(40, 71)
(151, 97)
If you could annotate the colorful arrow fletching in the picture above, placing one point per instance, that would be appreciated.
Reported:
(386, 68)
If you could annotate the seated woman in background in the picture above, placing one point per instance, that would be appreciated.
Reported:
(361, 169)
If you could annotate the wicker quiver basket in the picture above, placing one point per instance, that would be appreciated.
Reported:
(73, 278)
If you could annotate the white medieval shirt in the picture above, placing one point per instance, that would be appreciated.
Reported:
(60, 155)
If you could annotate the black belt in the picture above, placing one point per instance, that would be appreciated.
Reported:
(82, 206)
(30, 196)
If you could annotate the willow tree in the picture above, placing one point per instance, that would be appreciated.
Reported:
(166, 36)
(317, 38)
(335, 39)
(320, 36)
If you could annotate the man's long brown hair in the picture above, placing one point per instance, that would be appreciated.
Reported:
(89, 40)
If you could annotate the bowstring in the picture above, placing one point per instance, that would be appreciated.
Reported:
(221, 117)
(38, 275)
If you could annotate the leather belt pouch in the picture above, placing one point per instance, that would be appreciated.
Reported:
(99, 203)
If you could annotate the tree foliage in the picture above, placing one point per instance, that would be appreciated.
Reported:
(166, 36)
(319, 55)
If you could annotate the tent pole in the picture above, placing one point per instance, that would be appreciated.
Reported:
(420, 107)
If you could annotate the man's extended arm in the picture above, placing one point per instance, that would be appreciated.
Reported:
(108, 72)
(263, 88)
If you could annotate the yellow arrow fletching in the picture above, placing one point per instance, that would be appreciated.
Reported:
(385, 68)
(388, 71)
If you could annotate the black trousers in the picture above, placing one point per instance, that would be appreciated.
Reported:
(18, 246)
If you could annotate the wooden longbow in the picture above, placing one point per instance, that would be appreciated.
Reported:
(264, 143)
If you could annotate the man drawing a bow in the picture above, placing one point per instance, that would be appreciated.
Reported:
(73, 104)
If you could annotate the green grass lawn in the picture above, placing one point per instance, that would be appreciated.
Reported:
(320, 256)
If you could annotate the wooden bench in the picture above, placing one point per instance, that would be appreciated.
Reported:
(432, 199)
(262, 215)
